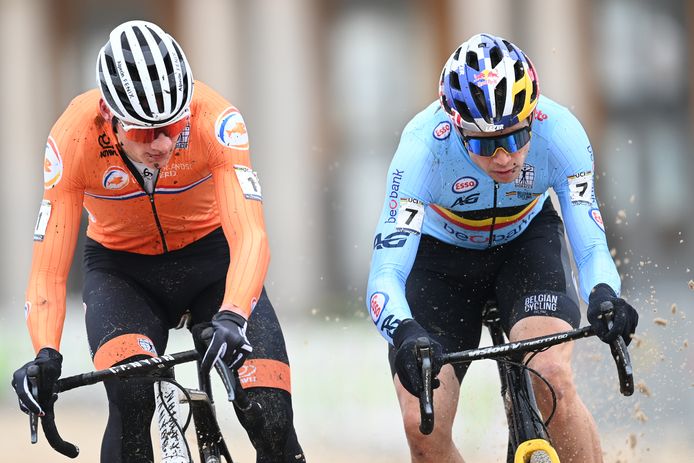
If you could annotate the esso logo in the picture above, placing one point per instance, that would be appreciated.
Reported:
(377, 304)
(442, 131)
(115, 178)
(597, 218)
(464, 184)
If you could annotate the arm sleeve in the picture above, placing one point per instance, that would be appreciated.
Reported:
(573, 181)
(239, 200)
(412, 176)
(55, 238)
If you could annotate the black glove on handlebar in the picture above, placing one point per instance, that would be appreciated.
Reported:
(48, 363)
(406, 364)
(624, 317)
(223, 338)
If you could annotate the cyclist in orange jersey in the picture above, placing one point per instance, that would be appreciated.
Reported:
(161, 164)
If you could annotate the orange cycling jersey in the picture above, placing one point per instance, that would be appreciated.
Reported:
(207, 182)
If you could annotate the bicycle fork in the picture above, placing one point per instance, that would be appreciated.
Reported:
(528, 441)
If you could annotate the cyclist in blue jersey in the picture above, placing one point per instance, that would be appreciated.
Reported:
(467, 218)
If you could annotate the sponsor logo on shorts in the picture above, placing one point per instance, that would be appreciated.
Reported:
(541, 303)
(147, 345)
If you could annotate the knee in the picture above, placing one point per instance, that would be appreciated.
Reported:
(273, 436)
(560, 376)
(426, 447)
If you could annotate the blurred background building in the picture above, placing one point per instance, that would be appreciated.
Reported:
(326, 87)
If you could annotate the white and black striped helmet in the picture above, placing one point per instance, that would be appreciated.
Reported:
(144, 76)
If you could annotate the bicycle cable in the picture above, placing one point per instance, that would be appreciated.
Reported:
(545, 423)
(159, 380)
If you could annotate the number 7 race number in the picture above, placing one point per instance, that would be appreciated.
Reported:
(410, 215)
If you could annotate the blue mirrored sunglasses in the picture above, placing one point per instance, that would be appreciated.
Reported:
(488, 146)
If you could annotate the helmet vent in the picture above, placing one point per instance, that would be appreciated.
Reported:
(509, 47)
(463, 110)
(518, 102)
(455, 81)
(518, 70)
(533, 94)
(496, 56)
(457, 53)
(480, 101)
(500, 96)
(471, 60)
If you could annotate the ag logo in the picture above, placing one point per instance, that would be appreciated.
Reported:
(389, 324)
(52, 165)
(394, 240)
(231, 130)
(463, 200)
(377, 304)
(115, 178)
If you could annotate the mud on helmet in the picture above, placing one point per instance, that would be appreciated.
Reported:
(488, 84)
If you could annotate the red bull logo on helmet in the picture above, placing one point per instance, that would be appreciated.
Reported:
(486, 77)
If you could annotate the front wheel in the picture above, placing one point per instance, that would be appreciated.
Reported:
(536, 451)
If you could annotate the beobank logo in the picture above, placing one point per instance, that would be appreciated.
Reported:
(464, 184)
(52, 165)
(115, 178)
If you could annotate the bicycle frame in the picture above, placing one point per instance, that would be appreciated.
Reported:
(211, 445)
(528, 438)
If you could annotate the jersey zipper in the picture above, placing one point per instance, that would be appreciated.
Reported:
(156, 216)
(140, 181)
(491, 228)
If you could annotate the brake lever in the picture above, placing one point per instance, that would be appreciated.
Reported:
(426, 401)
(620, 353)
(32, 376)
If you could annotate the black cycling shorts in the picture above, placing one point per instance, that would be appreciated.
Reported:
(133, 300)
(531, 275)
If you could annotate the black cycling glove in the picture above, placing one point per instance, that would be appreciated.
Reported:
(224, 338)
(624, 317)
(406, 364)
(49, 363)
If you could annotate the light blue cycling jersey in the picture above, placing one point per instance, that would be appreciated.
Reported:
(434, 188)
